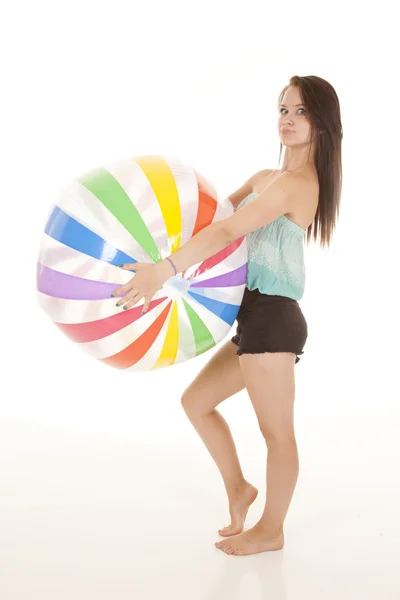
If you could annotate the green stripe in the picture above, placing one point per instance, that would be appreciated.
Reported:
(110, 193)
(202, 335)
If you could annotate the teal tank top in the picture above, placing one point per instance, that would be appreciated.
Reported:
(275, 257)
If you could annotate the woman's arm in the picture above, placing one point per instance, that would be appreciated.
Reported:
(280, 197)
(209, 240)
(204, 244)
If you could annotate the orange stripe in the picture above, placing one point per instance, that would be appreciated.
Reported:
(135, 351)
(207, 204)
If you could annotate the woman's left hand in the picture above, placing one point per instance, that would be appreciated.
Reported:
(147, 281)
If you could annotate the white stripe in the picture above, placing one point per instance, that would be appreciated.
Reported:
(121, 339)
(83, 311)
(217, 326)
(79, 203)
(227, 295)
(137, 187)
(118, 341)
(62, 258)
(188, 193)
(234, 261)
(135, 183)
(186, 346)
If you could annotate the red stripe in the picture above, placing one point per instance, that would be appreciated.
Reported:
(96, 330)
(210, 262)
(133, 353)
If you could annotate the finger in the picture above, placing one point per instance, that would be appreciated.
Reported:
(128, 266)
(131, 295)
(121, 291)
(146, 304)
(132, 301)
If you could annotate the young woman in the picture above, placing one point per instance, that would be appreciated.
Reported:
(276, 209)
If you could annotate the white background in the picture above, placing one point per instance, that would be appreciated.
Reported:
(85, 83)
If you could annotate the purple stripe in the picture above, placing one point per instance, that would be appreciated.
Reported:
(69, 287)
(237, 277)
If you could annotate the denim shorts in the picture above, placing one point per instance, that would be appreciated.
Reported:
(269, 323)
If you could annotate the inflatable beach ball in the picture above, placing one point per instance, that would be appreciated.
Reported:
(141, 209)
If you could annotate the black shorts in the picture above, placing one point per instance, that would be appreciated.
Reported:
(269, 324)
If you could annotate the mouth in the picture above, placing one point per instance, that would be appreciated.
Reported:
(287, 131)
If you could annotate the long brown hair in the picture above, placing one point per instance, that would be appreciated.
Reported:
(322, 104)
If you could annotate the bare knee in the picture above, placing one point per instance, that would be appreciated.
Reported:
(278, 435)
(186, 400)
(190, 402)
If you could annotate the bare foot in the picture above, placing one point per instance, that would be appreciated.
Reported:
(257, 539)
(238, 507)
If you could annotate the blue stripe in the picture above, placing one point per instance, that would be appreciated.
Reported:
(223, 310)
(68, 231)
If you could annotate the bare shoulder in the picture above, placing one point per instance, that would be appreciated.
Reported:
(249, 186)
(256, 183)
(264, 172)
(303, 184)
(259, 178)
(295, 178)
(297, 183)
(304, 188)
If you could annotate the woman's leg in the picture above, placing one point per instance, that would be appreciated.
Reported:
(274, 406)
(220, 379)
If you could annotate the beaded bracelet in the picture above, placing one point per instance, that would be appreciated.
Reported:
(167, 257)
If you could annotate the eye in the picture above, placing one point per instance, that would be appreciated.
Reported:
(299, 109)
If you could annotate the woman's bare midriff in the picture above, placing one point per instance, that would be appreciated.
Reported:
(304, 216)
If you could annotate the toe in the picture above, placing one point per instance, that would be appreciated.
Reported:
(229, 530)
(220, 545)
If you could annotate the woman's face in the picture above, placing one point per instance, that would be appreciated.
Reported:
(293, 118)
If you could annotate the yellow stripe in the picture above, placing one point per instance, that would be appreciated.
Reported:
(163, 183)
(170, 348)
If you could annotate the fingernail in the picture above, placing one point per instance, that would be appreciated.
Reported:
(117, 305)
(112, 296)
(125, 307)
(120, 266)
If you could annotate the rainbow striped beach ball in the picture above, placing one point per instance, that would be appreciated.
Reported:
(141, 209)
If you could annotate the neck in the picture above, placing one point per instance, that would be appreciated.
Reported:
(298, 158)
